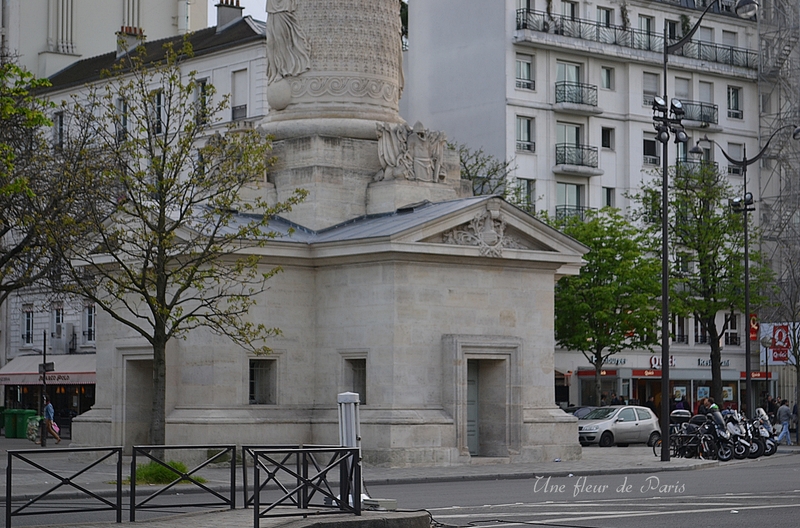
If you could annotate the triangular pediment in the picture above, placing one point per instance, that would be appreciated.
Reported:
(494, 227)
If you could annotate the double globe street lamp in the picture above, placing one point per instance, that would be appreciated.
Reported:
(667, 117)
(744, 205)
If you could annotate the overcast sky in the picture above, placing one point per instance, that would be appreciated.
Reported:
(255, 8)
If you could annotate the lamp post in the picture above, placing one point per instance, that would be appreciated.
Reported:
(666, 120)
(767, 342)
(745, 205)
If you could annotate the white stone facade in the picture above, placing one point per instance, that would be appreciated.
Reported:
(435, 305)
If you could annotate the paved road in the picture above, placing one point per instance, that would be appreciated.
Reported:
(609, 462)
(739, 494)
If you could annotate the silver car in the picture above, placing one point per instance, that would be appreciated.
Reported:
(619, 424)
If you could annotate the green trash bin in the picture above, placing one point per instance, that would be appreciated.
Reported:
(10, 418)
(22, 422)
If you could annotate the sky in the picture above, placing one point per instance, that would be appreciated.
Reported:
(255, 8)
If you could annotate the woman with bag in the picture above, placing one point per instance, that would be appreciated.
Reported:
(48, 419)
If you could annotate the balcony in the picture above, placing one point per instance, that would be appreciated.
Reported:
(576, 159)
(526, 146)
(700, 114)
(576, 98)
(732, 339)
(694, 165)
(681, 338)
(539, 21)
(568, 211)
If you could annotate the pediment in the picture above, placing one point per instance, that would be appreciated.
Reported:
(493, 227)
(490, 232)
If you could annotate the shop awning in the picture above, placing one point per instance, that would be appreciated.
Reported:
(72, 369)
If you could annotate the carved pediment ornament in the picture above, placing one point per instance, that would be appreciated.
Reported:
(487, 231)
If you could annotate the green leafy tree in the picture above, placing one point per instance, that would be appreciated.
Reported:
(37, 201)
(611, 305)
(706, 237)
(174, 239)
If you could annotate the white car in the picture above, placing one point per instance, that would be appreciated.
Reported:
(619, 424)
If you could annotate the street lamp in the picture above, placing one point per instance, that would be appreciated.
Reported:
(745, 205)
(666, 120)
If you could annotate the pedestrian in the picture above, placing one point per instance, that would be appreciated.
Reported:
(702, 407)
(712, 405)
(678, 404)
(772, 408)
(603, 400)
(784, 416)
(49, 414)
(651, 404)
(614, 399)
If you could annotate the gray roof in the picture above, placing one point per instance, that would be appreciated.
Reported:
(368, 226)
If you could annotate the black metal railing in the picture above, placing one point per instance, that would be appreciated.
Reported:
(680, 338)
(42, 503)
(571, 154)
(299, 478)
(219, 453)
(527, 146)
(732, 339)
(632, 38)
(700, 111)
(526, 84)
(238, 112)
(568, 211)
(575, 92)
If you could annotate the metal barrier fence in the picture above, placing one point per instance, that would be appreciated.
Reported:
(69, 481)
(223, 451)
(296, 477)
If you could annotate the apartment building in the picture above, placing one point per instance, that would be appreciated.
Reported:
(566, 89)
(48, 35)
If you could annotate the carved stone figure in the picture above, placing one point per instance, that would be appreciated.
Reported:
(413, 153)
(487, 231)
(287, 45)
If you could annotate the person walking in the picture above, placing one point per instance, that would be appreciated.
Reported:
(784, 416)
(49, 414)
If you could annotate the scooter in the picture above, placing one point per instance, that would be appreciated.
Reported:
(739, 435)
(767, 433)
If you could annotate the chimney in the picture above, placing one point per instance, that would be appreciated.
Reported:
(227, 12)
(128, 38)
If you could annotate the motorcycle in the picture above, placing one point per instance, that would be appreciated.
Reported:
(765, 430)
(721, 438)
(740, 436)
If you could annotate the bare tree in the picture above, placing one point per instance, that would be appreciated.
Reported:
(174, 239)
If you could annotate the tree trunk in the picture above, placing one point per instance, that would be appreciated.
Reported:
(158, 413)
(716, 370)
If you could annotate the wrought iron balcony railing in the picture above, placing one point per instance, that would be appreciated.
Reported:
(700, 111)
(568, 211)
(732, 339)
(693, 164)
(526, 146)
(575, 92)
(680, 338)
(581, 155)
(632, 38)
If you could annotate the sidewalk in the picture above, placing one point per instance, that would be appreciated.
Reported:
(595, 461)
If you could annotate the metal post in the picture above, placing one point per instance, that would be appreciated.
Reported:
(748, 384)
(43, 370)
(664, 282)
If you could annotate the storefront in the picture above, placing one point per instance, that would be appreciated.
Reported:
(636, 377)
(70, 384)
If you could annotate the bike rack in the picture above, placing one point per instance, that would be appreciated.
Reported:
(24, 455)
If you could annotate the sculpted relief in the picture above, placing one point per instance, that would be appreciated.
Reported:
(487, 231)
(287, 51)
(411, 153)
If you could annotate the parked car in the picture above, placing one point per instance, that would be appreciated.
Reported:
(580, 411)
(618, 424)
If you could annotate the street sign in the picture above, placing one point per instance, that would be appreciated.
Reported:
(46, 367)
